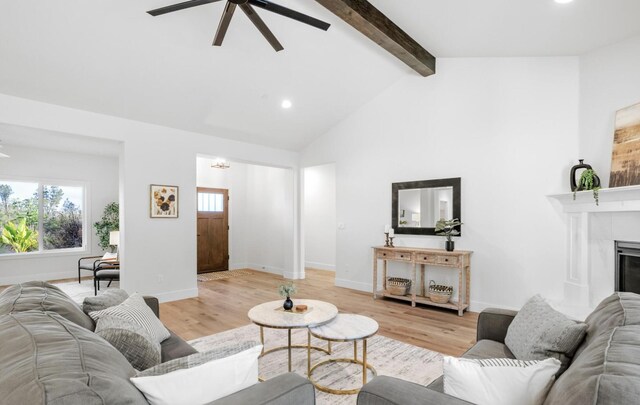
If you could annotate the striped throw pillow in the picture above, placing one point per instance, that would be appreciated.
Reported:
(135, 309)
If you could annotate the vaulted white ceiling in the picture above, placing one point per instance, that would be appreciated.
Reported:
(110, 57)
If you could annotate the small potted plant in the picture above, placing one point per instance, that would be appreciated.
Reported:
(589, 180)
(447, 228)
(287, 290)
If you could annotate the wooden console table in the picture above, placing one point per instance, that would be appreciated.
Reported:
(459, 260)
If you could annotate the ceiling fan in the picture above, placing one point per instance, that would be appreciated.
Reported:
(2, 155)
(247, 6)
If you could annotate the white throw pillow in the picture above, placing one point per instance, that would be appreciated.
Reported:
(499, 381)
(135, 309)
(202, 383)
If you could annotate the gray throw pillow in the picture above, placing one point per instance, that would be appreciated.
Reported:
(132, 340)
(109, 298)
(539, 331)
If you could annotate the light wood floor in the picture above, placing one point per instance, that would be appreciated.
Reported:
(223, 305)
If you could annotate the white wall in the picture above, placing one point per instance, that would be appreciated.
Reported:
(158, 256)
(259, 209)
(320, 217)
(100, 173)
(609, 81)
(507, 127)
(269, 209)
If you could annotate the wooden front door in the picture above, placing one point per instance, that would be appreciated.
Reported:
(213, 229)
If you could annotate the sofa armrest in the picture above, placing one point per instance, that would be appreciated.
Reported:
(154, 304)
(493, 324)
(285, 389)
(393, 391)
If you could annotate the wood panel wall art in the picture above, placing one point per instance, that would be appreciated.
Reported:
(625, 160)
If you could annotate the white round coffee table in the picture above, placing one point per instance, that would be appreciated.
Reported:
(272, 315)
(346, 328)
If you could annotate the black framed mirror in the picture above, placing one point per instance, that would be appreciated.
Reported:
(418, 205)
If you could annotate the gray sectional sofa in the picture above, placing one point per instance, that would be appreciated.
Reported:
(605, 369)
(50, 355)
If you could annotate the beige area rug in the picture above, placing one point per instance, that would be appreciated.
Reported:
(388, 356)
(222, 275)
(79, 291)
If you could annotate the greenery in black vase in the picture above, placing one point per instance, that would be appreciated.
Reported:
(587, 182)
(287, 290)
(447, 228)
(110, 222)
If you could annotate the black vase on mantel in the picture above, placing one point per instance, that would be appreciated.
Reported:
(574, 181)
(449, 246)
(288, 304)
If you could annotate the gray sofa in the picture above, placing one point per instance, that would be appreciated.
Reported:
(605, 369)
(50, 355)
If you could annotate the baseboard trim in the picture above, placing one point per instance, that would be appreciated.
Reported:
(479, 306)
(266, 269)
(320, 266)
(10, 280)
(177, 295)
(354, 285)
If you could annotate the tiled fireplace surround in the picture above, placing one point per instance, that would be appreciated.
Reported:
(592, 231)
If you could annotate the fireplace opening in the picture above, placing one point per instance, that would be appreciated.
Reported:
(628, 267)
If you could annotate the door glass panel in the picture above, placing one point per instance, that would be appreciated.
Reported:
(210, 202)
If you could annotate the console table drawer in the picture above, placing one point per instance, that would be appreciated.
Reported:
(426, 259)
(403, 256)
(452, 260)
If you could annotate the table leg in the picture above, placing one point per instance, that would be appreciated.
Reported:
(329, 346)
(422, 280)
(461, 293)
(289, 344)
(364, 361)
(468, 286)
(355, 350)
(308, 353)
(262, 338)
(413, 285)
(375, 275)
(384, 275)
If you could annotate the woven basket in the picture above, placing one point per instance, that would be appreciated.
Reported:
(398, 286)
(440, 294)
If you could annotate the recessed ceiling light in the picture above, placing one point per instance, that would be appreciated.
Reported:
(286, 104)
(563, 1)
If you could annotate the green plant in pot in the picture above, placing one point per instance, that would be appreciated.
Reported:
(287, 290)
(589, 180)
(110, 221)
(447, 228)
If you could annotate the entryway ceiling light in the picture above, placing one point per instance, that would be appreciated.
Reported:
(563, 1)
(220, 164)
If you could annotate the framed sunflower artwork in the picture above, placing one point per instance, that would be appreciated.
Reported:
(164, 201)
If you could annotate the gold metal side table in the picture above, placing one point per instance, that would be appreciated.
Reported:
(344, 328)
(271, 315)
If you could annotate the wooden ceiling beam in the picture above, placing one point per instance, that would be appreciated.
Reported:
(371, 22)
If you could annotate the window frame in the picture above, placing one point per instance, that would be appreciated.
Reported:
(86, 234)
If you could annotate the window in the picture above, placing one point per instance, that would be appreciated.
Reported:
(43, 216)
(210, 202)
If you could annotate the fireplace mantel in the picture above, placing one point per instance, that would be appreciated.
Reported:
(619, 199)
(579, 286)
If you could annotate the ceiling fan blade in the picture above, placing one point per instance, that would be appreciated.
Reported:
(261, 26)
(287, 12)
(179, 6)
(2, 155)
(224, 23)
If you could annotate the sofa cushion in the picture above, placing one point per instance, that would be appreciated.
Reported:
(42, 296)
(539, 332)
(175, 348)
(46, 359)
(607, 371)
(619, 309)
(109, 298)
